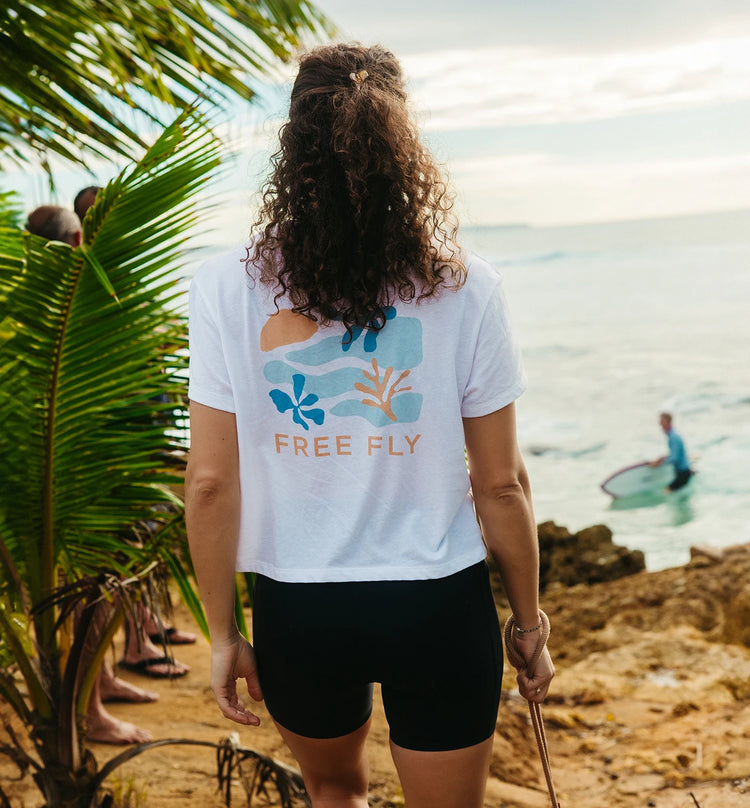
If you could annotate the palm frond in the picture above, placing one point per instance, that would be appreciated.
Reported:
(233, 762)
(92, 381)
(10, 246)
(180, 570)
(81, 77)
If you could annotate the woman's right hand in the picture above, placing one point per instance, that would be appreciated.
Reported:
(234, 659)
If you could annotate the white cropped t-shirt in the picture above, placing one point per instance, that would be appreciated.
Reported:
(352, 462)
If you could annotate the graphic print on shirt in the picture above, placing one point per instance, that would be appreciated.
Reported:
(365, 376)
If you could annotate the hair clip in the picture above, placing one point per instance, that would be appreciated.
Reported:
(359, 77)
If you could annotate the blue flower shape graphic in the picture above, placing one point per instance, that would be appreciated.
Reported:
(283, 403)
(371, 337)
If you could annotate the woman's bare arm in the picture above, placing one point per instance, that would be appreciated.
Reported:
(502, 498)
(212, 512)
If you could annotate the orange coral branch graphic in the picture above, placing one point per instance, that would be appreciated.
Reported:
(382, 394)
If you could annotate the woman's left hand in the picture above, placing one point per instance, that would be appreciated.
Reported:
(534, 688)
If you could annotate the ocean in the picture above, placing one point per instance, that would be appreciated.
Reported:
(617, 323)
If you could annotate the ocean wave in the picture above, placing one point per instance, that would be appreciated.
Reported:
(540, 258)
(542, 450)
(702, 402)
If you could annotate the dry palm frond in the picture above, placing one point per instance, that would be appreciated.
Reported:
(256, 771)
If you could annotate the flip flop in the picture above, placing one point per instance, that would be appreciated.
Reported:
(167, 637)
(144, 667)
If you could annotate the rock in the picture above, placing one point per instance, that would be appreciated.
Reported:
(737, 617)
(594, 538)
(738, 686)
(705, 551)
(501, 793)
(550, 533)
(588, 556)
(514, 757)
(640, 783)
(595, 694)
(563, 719)
(683, 708)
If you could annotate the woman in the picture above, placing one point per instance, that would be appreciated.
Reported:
(339, 366)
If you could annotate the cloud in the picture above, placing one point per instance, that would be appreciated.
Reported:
(542, 189)
(521, 86)
(420, 26)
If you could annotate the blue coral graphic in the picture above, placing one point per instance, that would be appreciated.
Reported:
(284, 403)
(371, 337)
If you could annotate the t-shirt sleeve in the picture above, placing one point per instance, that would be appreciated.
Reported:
(209, 381)
(497, 377)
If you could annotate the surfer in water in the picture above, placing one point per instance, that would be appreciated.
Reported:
(677, 455)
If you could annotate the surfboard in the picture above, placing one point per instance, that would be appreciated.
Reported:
(633, 481)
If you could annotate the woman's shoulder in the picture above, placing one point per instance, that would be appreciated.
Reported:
(482, 279)
(223, 265)
(225, 274)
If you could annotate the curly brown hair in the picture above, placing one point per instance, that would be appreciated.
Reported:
(356, 212)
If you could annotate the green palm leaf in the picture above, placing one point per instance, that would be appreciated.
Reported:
(10, 246)
(93, 369)
(81, 77)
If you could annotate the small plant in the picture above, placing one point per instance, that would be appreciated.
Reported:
(126, 793)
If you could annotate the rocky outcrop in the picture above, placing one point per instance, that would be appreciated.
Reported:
(651, 702)
(709, 598)
(588, 556)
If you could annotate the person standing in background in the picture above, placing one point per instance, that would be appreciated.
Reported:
(84, 199)
(677, 456)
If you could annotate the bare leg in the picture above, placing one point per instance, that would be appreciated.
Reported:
(112, 688)
(153, 627)
(102, 727)
(335, 770)
(443, 779)
(138, 647)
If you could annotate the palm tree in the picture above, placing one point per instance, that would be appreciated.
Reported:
(80, 77)
(92, 340)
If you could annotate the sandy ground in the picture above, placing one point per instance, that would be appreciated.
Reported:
(651, 707)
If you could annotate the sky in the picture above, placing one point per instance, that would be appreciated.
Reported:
(543, 112)
(568, 111)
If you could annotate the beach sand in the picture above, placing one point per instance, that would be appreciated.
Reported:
(650, 707)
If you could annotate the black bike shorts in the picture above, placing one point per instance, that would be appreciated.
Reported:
(435, 646)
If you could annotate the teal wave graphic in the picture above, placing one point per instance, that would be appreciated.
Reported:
(399, 346)
(327, 385)
(406, 407)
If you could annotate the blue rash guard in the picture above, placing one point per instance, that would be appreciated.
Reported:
(677, 454)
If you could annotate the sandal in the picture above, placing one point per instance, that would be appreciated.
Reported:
(170, 636)
(144, 667)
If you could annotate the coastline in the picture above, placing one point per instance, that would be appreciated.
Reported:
(651, 704)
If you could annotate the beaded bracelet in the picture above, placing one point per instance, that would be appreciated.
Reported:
(528, 630)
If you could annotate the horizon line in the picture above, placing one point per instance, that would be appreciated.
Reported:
(590, 222)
